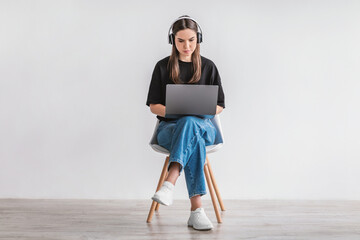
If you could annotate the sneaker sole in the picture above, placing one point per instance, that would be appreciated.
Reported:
(202, 229)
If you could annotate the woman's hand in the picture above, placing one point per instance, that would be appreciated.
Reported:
(158, 109)
(219, 109)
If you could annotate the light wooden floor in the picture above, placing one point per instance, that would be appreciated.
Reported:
(119, 219)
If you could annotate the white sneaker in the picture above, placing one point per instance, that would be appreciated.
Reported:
(165, 194)
(199, 221)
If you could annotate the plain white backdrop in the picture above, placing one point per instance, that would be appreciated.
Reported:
(74, 77)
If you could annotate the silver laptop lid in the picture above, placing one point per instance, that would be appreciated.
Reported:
(189, 99)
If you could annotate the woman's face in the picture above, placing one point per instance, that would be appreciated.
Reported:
(185, 42)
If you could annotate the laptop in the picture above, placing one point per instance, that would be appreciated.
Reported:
(188, 99)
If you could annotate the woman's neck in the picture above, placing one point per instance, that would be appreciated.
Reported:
(185, 59)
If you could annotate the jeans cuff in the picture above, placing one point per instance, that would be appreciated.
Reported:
(177, 160)
(199, 193)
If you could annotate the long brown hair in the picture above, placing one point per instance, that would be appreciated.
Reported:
(173, 65)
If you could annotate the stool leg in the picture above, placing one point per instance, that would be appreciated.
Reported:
(161, 181)
(215, 185)
(208, 180)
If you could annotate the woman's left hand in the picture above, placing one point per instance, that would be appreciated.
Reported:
(219, 109)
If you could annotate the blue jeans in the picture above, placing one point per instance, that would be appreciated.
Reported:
(186, 138)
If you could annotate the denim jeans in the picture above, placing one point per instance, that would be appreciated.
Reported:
(186, 138)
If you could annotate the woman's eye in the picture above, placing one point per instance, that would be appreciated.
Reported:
(191, 40)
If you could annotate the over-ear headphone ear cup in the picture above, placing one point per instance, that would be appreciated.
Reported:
(172, 39)
(199, 37)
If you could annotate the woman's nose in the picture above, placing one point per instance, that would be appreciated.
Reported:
(187, 44)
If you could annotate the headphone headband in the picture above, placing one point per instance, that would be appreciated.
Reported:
(172, 37)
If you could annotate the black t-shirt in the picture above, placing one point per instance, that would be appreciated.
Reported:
(160, 78)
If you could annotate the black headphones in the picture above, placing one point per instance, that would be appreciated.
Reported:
(172, 36)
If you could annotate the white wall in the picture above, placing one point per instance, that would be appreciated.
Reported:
(74, 77)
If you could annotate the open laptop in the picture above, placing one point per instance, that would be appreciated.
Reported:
(189, 99)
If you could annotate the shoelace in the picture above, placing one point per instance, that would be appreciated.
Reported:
(201, 217)
(166, 189)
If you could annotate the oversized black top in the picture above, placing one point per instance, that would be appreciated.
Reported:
(160, 78)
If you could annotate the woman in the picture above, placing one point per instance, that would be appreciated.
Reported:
(185, 137)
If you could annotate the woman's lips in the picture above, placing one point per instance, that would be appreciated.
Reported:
(187, 51)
